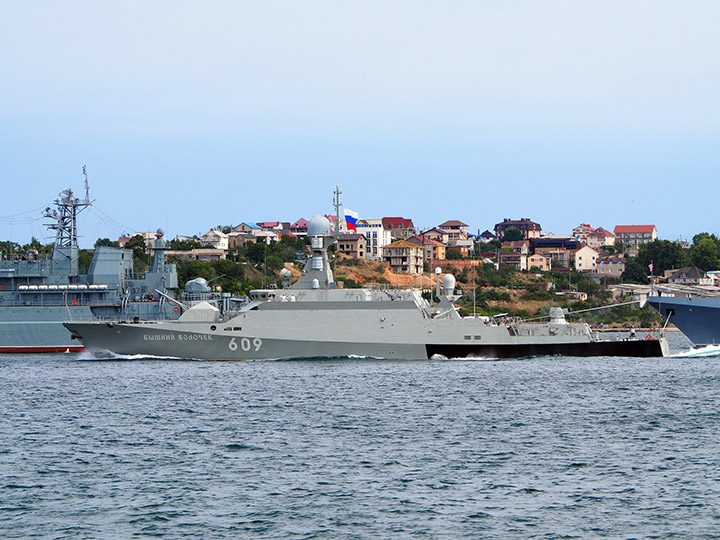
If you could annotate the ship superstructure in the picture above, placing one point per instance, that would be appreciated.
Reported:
(38, 292)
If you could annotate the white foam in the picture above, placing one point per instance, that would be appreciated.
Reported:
(699, 352)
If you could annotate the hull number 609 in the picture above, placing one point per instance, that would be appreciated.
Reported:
(245, 344)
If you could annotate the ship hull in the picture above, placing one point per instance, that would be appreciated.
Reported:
(40, 329)
(698, 318)
(187, 341)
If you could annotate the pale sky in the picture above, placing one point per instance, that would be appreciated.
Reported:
(195, 114)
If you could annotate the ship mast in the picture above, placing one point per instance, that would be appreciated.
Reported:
(65, 216)
(337, 203)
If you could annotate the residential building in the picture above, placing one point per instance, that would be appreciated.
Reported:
(352, 245)
(433, 250)
(377, 236)
(404, 257)
(236, 239)
(456, 230)
(632, 236)
(275, 226)
(585, 259)
(202, 254)
(250, 228)
(399, 227)
(610, 266)
(149, 238)
(690, 275)
(267, 236)
(538, 262)
(600, 238)
(215, 238)
(529, 228)
(485, 236)
(299, 228)
(436, 234)
(514, 254)
(458, 238)
(582, 231)
(560, 249)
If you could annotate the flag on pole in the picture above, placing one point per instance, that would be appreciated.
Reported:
(650, 266)
(351, 220)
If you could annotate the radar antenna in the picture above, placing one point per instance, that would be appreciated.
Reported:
(87, 186)
(65, 217)
(337, 203)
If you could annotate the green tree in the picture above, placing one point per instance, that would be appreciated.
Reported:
(139, 249)
(663, 254)
(107, 242)
(699, 237)
(705, 254)
(513, 234)
(188, 269)
(35, 245)
(452, 254)
(635, 272)
(185, 245)
(8, 247)
(84, 260)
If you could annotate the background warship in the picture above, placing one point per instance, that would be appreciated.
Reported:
(39, 292)
(312, 318)
(697, 317)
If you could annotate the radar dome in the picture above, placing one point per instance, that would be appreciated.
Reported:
(285, 274)
(449, 283)
(319, 226)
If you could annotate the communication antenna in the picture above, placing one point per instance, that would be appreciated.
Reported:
(337, 203)
(87, 186)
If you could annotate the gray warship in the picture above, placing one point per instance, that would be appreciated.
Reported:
(312, 318)
(39, 292)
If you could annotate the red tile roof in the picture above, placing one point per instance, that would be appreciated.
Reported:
(634, 228)
(601, 232)
(397, 222)
(453, 223)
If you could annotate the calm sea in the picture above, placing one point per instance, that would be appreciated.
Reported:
(539, 448)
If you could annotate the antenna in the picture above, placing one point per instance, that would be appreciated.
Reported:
(337, 203)
(87, 186)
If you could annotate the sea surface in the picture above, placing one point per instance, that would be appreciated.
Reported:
(552, 447)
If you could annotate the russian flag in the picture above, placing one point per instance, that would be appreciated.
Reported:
(351, 220)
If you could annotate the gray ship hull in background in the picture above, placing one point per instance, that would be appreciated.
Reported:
(38, 293)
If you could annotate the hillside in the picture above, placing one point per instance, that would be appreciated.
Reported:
(365, 272)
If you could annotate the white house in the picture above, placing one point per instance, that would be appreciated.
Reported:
(585, 259)
(215, 238)
(377, 236)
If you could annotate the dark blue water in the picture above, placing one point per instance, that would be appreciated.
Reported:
(539, 448)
